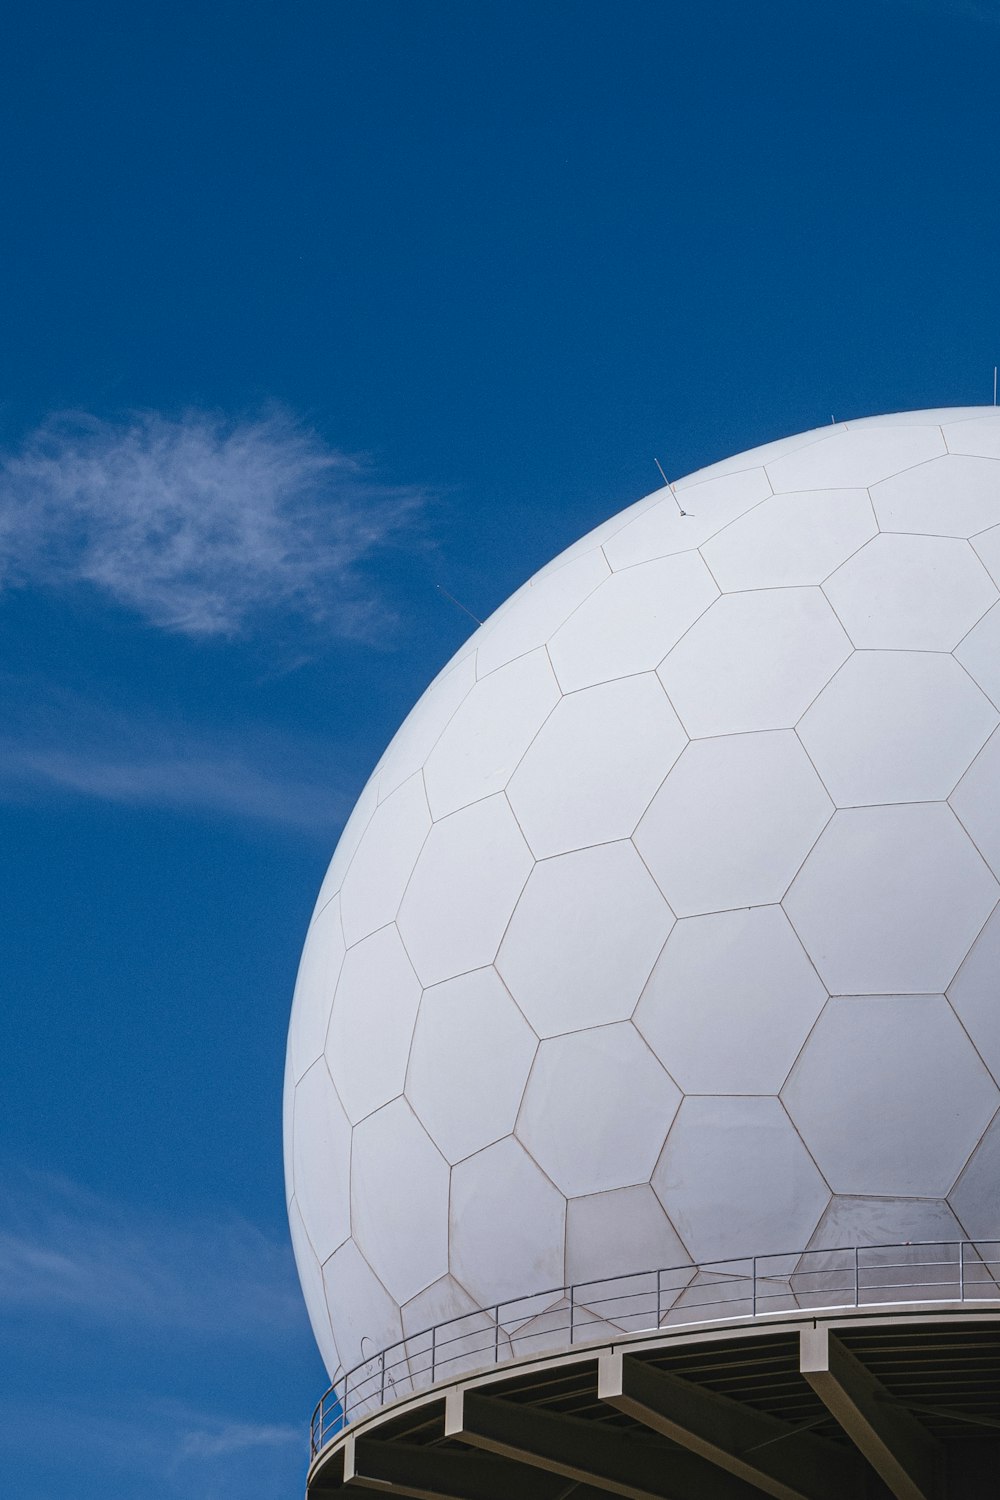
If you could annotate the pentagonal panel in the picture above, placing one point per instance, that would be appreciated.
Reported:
(911, 593)
(855, 459)
(319, 971)
(472, 1050)
(618, 1232)
(630, 622)
(979, 435)
(374, 884)
(733, 822)
(979, 654)
(422, 727)
(489, 733)
(365, 1316)
(950, 496)
(684, 521)
(469, 875)
(975, 1198)
(730, 1002)
(975, 994)
(902, 1072)
(766, 1192)
(791, 540)
(372, 1022)
(976, 802)
(597, 1109)
(399, 1200)
(891, 899)
(507, 1224)
(313, 1291)
(566, 800)
(527, 619)
(754, 661)
(321, 1161)
(583, 939)
(875, 733)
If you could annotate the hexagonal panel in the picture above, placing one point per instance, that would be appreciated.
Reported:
(975, 800)
(856, 458)
(489, 733)
(885, 1221)
(791, 540)
(875, 732)
(319, 971)
(754, 661)
(733, 822)
(507, 1225)
(730, 1002)
(911, 593)
(889, 1095)
(766, 1192)
(597, 1109)
(631, 621)
(975, 1198)
(321, 1161)
(975, 994)
(423, 725)
(617, 1233)
(465, 1344)
(365, 1316)
(372, 1022)
(583, 939)
(708, 505)
(374, 884)
(565, 800)
(471, 1054)
(313, 1291)
(979, 654)
(907, 1262)
(951, 496)
(531, 615)
(466, 882)
(891, 899)
(348, 842)
(399, 1200)
(979, 435)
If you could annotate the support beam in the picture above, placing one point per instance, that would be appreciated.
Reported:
(328, 1479)
(426, 1472)
(902, 1452)
(776, 1457)
(611, 1458)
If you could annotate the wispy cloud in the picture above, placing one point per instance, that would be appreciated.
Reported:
(200, 524)
(54, 740)
(67, 1251)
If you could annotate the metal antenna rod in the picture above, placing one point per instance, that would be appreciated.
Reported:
(442, 590)
(669, 486)
(994, 385)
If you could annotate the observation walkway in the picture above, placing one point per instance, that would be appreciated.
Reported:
(866, 1371)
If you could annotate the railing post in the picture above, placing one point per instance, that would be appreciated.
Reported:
(753, 1278)
(571, 1309)
(433, 1352)
(857, 1285)
(496, 1335)
(961, 1270)
(659, 1314)
(381, 1394)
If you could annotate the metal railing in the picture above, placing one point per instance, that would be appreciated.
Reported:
(602, 1311)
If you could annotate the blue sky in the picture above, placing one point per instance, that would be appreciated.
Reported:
(305, 310)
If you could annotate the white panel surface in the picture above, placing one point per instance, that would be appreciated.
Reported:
(708, 505)
(319, 971)
(975, 1198)
(754, 661)
(372, 1022)
(321, 1161)
(374, 884)
(911, 593)
(596, 1110)
(399, 1200)
(912, 1140)
(951, 496)
(583, 939)
(855, 459)
(975, 995)
(528, 619)
(563, 799)
(733, 822)
(976, 800)
(791, 540)
(502, 1186)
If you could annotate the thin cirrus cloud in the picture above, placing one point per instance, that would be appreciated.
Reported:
(199, 524)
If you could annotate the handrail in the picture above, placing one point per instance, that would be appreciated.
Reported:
(639, 1301)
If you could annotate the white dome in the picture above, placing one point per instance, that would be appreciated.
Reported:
(666, 926)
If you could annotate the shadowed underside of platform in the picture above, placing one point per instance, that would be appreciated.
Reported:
(903, 1405)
